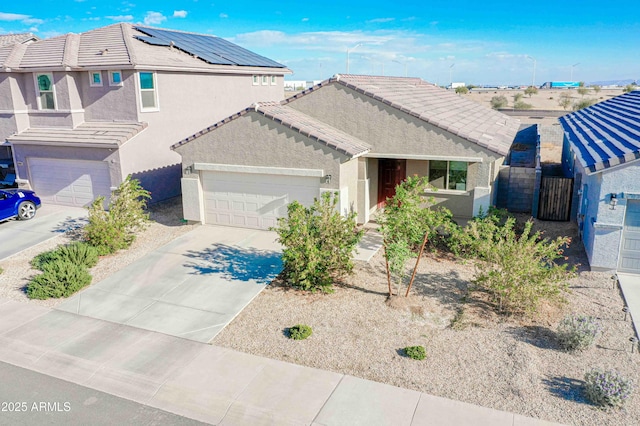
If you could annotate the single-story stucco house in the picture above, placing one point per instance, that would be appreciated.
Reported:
(601, 151)
(357, 135)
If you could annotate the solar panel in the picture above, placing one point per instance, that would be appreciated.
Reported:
(211, 49)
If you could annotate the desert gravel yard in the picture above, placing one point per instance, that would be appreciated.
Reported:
(477, 357)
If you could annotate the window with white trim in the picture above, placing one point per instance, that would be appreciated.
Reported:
(256, 80)
(148, 91)
(95, 78)
(265, 80)
(451, 175)
(45, 91)
(115, 78)
(273, 80)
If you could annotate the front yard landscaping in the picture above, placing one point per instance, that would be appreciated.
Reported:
(473, 354)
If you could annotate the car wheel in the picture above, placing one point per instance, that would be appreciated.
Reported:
(26, 210)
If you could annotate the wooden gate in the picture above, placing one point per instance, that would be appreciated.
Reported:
(555, 198)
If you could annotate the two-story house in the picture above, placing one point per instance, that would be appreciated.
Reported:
(82, 111)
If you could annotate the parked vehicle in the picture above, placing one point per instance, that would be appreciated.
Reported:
(18, 203)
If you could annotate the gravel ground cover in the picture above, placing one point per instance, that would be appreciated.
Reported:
(476, 357)
(166, 224)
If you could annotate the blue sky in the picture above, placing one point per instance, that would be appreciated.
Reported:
(496, 42)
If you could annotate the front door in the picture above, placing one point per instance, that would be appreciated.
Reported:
(390, 174)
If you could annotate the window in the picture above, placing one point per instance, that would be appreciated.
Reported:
(273, 80)
(148, 94)
(45, 91)
(448, 175)
(256, 80)
(95, 78)
(115, 78)
(265, 80)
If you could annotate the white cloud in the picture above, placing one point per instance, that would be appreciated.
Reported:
(32, 21)
(13, 17)
(154, 18)
(305, 19)
(380, 20)
(224, 15)
(120, 18)
(179, 13)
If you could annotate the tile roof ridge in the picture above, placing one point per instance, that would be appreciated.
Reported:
(15, 56)
(70, 51)
(127, 35)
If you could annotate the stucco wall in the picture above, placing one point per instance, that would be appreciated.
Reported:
(253, 140)
(349, 180)
(107, 103)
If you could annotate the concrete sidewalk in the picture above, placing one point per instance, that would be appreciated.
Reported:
(630, 286)
(214, 384)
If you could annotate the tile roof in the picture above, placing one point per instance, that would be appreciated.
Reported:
(442, 108)
(117, 45)
(605, 134)
(107, 134)
(7, 39)
(299, 122)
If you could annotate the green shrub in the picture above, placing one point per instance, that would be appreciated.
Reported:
(415, 352)
(498, 102)
(607, 388)
(318, 243)
(44, 258)
(300, 332)
(1, 271)
(60, 278)
(583, 103)
(578, 332)
(519, 271)
(77, 252)
(115, 229)
(522, 105)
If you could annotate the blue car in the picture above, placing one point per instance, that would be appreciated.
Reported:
(20, 203)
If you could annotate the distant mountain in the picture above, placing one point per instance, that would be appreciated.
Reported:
(612, 82)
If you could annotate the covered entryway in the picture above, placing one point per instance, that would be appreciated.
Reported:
(253, 200)
(390, 174)
(69, 182)
(630, 247)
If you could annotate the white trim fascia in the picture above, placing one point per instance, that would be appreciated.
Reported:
(424, 157)
(259, 71)
(236, 168)
(446, 192)
(55, 111)
(70, 144)
(601, 225)
(608, 169)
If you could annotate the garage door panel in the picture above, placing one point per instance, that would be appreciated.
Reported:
(253, 200)
(69, 182)
(630, 247)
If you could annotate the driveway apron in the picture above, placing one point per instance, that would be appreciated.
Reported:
(190, 288)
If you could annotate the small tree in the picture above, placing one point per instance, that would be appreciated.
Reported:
(318, 243)
(114, 229)
(629, 88)
(565, 101)
(498, 102)
(517, 97)
(582, 91)
(583, 103)
(596, 88)
(531, 90)
(462, 90)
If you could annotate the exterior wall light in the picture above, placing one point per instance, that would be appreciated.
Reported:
(327, 179)
(613, 201)
(188, 170)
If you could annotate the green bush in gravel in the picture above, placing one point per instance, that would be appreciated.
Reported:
(60, 278)
(45, 258)
(607, 388)
(79, 253)
(578, 332)
(415, 352)
(300, 332)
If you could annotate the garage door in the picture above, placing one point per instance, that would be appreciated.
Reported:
(253, 200)
(630, 247)
(69, 182)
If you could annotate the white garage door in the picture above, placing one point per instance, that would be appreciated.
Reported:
(630, 247)
(69, 182)
(252, 200)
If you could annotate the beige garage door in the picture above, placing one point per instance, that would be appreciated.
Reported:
(69, 182)
(252, 200)
(630, 247)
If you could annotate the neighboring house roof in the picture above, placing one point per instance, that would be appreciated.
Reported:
(442, 108)
(21, 38)
(95, 134)
(605, 134)
(127, 46)
(299, 122)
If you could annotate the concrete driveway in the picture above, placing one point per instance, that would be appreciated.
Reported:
(190, 288)
(50, 221)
